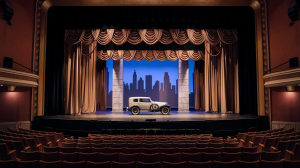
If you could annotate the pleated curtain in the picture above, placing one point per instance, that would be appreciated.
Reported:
(72, 77)
(199, 87)
(221, 78)
(101, 85)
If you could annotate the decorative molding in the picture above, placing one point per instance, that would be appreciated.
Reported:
(14, 125)
(265, 49)
(18, 78)
(35, 56)
(285, 125)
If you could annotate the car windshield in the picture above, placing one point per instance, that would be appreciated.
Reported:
(145, 100)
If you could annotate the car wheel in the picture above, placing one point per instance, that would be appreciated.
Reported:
(165, 110)
(135, 110)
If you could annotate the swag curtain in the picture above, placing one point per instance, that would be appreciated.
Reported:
(81, 79)
(221, 78)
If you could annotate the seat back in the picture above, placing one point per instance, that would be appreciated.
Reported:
(30, 156)
(98, 164)
(52, 164)
(240, 136)
(296, 151)
(292, 144)
(49, 156)
(9, 144)
(51, 138)
(195, 157)
(191, 164)
(59, 136)
(248, 138)
(42, 140)
(196, 150)
(167, 150)
(216, 150)
(103, 157)
(268, 143)
(124, 158)
(232, 149)
(25, 164)
(8, 163)
(291, 163)
(282, 146)
(69, 157)
(272, 164)
(3, 152)
(229, 157)
(202, 145)
(149, 150)
(258, 140)
(172, 158)
(245, 164)
(148, 165)
(149, 158)
(67, 149)
(218, 164)
(93, 157)
(67, 164)
(250, 156)
(84, 150)
(210, 157)
(173, 164)
(51, 149)
(270, 156)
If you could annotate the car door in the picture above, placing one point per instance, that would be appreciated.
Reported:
(144, 103)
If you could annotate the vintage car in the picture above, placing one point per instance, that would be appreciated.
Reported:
(145, 104)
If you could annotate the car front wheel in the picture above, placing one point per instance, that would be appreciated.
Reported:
(165, 110)
(135, 110)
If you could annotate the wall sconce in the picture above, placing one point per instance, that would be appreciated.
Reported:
(290, 88)
(11, 88)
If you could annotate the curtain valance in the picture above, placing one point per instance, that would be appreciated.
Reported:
(151, 36)
(151, 55)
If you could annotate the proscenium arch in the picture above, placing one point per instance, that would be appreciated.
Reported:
(40, 38)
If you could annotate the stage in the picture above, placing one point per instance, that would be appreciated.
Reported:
(193, 122)
(193, 115)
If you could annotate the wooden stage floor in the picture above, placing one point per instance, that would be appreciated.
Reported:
(193, 115)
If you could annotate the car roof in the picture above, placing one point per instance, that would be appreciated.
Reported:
(139, 97)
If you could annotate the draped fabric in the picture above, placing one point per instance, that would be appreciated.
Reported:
(221, 79)
(88, 87)
(151, 36)
(199, 87)
(101, 85)
(151, 55)
(72, 77)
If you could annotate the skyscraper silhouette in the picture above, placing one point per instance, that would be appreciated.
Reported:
(141, 85)
(148, 82)
(134, 81)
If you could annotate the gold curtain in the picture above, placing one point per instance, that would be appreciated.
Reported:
(72, 77)
(88, 87)
(199, 87)
(101, 83)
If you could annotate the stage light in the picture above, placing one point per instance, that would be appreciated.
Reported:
(1, 85)
(11, 88)
(290, 88)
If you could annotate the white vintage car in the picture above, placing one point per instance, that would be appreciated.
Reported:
(145, 104)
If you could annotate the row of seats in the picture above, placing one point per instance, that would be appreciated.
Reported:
(149, 158)
(113, 164)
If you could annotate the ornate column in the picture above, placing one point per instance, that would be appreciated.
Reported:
(183, 86)
(117, 90)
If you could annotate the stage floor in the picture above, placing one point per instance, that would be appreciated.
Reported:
(193, 115)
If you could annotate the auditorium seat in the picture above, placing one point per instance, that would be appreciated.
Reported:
(8, 164)
(266, 146)
(173, 164)
(232, 144)
(202, 145)
(216, 145)
(215, 150)
(42, 140)
(245, 142)
(67, 149)
(98, 145)
(93, 157)
(164, 145)
(292, 144)
(195, 157)
(257, 140)
(51, 149)
(83, 145)
(167, 150)
(49, 156)
(247, 164)
(282, 146)
(96, 141)
(148, 165)
(84, 150)
(233, 149)
(51, 138)
(185, 150)
(64, 144)
(134, 145)
(191, 164)
(67, 164)
(270, 156)
(124, 158)
(179, 145)
(216, 141)
(106, 164)
(114, 150)
(291, 164)
(123, 165)
(6, 154)
(30, 156)
(250, 156)
(18, 147)
(149, 150)
(196, 150)
(102, 150)
(132, 150)
(218, 164)
(103, 157)
(271, 164)
(9, 144)
(228, 157)
(150, 158)
(249, 149)
(52, 164)
(294, 154)
(70, 157)
(210, 157)
(28, 164)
